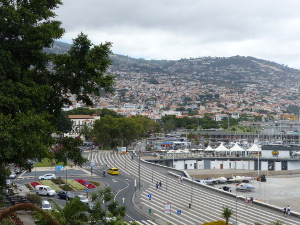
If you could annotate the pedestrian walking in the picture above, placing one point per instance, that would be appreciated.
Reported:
(246, 201)
(132, 157)
(160, 183)
(251, 201)
(284, 211)
(288, 210)
(157, 184)
(181, 179)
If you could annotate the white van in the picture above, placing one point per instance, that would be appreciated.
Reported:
(44, 190)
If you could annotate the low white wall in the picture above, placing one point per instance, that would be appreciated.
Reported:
(264, 165)
(293, 165)
(277, 166)
(190, 164)
(200, 165)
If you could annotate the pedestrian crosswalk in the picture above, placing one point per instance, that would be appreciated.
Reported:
(144, 222)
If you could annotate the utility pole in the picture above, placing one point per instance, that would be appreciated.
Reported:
(139, 170)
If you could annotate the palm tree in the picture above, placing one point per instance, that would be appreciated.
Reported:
(227, 213)
(74, 213)
(111, 207)
(86, 132)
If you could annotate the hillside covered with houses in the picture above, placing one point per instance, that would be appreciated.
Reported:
(197, 86)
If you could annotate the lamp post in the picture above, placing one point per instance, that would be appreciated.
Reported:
(152, 171)
(66, 185)
(190, 205)
(173, 159)
(236, 209)
(139, 170)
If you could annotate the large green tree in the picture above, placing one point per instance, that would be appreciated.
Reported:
(34, 85)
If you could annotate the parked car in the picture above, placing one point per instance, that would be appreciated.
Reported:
(83, 198)
(8, 182)
(46, 205)
(64, 194)
(48, 176)
(12, 175)
(18, 170)
(245, 187)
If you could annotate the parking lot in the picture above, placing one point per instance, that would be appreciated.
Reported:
(278, 190)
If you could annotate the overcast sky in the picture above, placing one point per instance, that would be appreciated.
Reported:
(174, 29)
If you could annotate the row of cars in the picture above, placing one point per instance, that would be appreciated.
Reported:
(65, 195)
(48, 191)
(242, 183)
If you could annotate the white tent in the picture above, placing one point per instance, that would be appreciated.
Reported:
(254, 148)
(209, 149)
(221, 148)
(237, 148)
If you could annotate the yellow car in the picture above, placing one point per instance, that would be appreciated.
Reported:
(113, 171)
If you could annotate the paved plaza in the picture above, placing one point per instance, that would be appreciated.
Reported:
(279, 190)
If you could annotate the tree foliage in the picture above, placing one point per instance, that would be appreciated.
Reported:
(113, 131)
(74, 213)
(105, 206)
(227, 213)
(34, 86)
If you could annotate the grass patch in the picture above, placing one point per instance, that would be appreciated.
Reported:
(66, 187)
(51, 184)
(97, 184)
(58, 181)
(48, 163)
(29, 187)
(74, 184)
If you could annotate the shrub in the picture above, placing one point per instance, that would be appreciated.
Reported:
(74, 184)
(66, 187)
(33, 184)
(34, 198)
(29, 186)
(97, 184)
(83, 182)
(58, 181)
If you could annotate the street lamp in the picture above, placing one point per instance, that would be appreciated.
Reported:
(236, 212)
(66, 184)
(190, 205)
(152, 171)
(139, 170)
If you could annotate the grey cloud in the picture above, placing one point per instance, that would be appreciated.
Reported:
(209, 25)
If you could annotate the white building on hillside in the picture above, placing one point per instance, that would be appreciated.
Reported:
(78, 122)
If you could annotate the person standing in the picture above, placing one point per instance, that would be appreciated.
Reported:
(288, 210)
(246, 201)
(251, 201)
(284, 211)
(160, 183)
